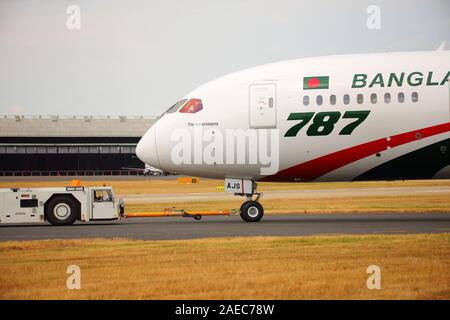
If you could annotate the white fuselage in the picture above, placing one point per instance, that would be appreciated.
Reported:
(337, 118)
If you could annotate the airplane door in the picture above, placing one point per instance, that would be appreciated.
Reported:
(263, 111)
(103, 205)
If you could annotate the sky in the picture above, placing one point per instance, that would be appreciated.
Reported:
(138, 57)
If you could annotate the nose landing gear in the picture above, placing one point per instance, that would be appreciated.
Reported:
(251, 210)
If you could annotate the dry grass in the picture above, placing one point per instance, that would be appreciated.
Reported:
(157, 186)
(412, 266)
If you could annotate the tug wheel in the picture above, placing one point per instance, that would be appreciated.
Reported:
(62, 211)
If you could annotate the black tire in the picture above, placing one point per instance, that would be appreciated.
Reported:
(62, 211)
(252, 211)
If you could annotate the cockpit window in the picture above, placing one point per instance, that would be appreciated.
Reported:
(176, 106)
(192, 106)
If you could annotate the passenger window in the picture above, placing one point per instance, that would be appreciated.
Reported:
(306, 100)
(360, 98)
(373, 98)
(387, 98)
(346, 99)
(319, 100)
(414, 97)
(332, 99)
(401, 97)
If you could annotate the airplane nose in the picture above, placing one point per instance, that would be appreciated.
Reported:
(146, 149)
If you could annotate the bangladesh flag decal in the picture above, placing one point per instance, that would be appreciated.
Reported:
(321, 82)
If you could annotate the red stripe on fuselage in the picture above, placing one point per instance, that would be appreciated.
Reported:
(313, 169)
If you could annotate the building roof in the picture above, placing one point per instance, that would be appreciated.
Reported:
(74, 126)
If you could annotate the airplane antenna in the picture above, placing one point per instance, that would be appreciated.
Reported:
(442, 46)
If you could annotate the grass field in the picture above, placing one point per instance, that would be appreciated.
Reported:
(162, 186)
(294, 203)
(412, 267)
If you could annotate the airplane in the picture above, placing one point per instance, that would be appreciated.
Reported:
(380, 116)
(148, 170)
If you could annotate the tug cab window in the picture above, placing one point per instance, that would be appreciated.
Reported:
(102, 196)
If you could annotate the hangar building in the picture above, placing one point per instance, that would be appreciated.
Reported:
(70, 145)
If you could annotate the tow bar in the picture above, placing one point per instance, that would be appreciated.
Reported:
(172, 212)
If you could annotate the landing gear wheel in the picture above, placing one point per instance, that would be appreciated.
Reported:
(251, 211)
(61, 211)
